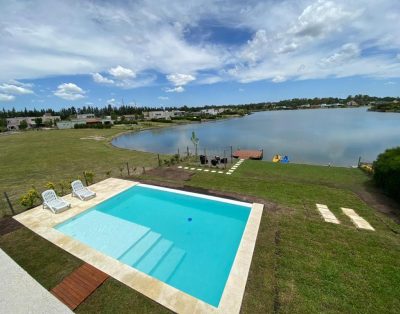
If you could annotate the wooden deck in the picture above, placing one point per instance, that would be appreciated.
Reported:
(248, 154)
(77, 286)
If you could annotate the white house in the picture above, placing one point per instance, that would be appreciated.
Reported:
(148, 115)
(13, 123)
(212, 111)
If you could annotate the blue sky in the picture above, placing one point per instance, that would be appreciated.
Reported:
(195, 52)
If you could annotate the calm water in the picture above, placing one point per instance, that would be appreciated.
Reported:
(167, 235)
(336, 136)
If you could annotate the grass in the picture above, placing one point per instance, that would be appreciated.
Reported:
(300, 263)
(35, 158)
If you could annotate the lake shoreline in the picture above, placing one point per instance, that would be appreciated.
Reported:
(315, 137)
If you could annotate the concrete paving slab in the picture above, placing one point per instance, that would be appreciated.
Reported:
(20, 293)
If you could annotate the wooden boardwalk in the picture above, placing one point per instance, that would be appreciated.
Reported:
(78, 285)
(248, 154)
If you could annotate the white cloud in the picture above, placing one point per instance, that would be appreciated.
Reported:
(14, 89)
(345, 53)
(322, 17)
(163, 97)
(5, 97)
(178, 89)
(148, 38)
(111, 101)
(121, 73)
(69, 91)
(390, 83)
(179, 79)
(98, 78)
(279, 79)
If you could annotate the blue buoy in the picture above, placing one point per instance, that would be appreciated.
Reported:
(189, 219)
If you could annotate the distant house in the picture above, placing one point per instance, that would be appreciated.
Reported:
(66, 124)
(85, 116)
(13, 123)
(212, 111)
(178, 113)
(162, 114)
(127, 117)
(352, 103)
(84, 119)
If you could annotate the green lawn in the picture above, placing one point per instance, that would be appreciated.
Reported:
(300, 265)
(35, 158)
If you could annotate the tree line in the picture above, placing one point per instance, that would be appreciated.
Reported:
(113, 110)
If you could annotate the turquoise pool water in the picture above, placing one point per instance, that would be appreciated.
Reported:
(186, 241)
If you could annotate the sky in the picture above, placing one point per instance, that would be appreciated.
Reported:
(56, 54)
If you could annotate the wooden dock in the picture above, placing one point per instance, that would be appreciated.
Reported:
(78, 285)
(248, 154)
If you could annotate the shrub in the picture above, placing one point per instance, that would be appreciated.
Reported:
(89, 177)
(387, 172)
(29, 199)
(64, 186)
(50, 186)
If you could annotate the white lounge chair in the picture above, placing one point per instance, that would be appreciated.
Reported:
(53, 202)
(81, 191)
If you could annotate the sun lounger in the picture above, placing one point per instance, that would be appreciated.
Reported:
(81, 191)
(53, 202)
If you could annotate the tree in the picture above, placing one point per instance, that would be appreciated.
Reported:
(48, 123)
(23, 125)
(195, 142)
(38, 122)
(387, 172)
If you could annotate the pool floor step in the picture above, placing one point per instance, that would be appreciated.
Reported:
(168, 264)
(153, 256)
(140, 248)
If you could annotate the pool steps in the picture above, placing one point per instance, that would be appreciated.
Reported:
(154, 255)
(164, 270)
(140, 247)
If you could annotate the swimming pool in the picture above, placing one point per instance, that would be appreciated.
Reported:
(186, 240)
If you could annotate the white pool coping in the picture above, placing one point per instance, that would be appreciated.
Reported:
(42, 222)
(209, 197)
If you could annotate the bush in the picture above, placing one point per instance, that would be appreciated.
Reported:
(92, 126)
(89, 177)
(29, 199)
(161, 120)
(387, 172)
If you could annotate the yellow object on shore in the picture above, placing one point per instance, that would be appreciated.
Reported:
(277, 158)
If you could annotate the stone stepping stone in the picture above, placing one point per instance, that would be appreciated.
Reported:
(357, 220)
(327, 214)
(180, 167)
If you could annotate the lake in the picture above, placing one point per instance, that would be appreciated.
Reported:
(318, 136)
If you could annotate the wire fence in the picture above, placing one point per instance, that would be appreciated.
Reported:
(10, 201)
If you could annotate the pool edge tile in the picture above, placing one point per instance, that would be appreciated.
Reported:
(42, 221)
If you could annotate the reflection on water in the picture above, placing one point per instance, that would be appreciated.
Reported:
(336, 136)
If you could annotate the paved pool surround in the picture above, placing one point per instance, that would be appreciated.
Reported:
(42, 221)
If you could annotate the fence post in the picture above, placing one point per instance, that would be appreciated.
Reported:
(127, 167)
(231, 154)
(359, 161)
(179, 155)
(187, 151)
(9, 203)
(224, 159)
(84, 175)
